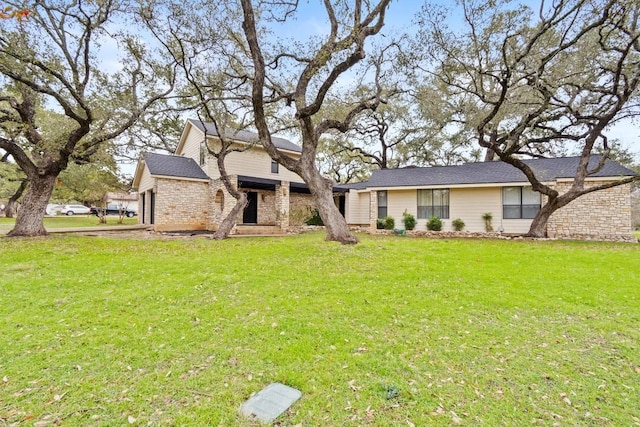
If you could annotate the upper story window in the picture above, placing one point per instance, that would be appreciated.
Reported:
(382, 203)
(433, 203)
(275, 167)
(520, 203)
(203, 153)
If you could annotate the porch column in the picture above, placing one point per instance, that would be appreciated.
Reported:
(373, 209)
(282, 205)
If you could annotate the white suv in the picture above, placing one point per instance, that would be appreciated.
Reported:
(74, 210)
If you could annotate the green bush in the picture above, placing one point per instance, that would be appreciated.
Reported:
(389, 222)
(487, 217)
(380, 223)
(315, 218)
(409, 221)
(458, 224)
(434, 223)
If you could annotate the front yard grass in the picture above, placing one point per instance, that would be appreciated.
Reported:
(392, 331)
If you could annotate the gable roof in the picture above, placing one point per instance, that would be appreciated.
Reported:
(245, 136)
(167, 165)
(490, 173)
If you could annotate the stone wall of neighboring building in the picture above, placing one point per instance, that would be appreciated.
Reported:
(600, 215)
(181, 205)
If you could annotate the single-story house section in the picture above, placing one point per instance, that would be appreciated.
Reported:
(469, 191)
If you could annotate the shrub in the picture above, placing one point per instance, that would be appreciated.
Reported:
(409, 221)
(315, 218)
(298, 216)
(380, 223)
(487, 217)
(389, 222)
(458, 224)
(434, 223)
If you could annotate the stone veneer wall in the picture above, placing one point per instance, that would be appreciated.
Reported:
(181, 205)
(300, 207)
(601, 215)
(282, 204)
(266, 207)
(273, 206)
(220, 207)
(373, 209)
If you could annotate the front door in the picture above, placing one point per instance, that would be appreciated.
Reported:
(250, 215)
(152, 208)
(342, 201)
(142, 198)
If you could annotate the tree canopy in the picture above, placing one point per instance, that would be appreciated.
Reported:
(52, 60)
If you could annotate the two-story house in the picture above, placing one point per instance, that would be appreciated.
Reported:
(184, 191)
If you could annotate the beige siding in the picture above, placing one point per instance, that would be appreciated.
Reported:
(256, 162)
(357, 207)
(469, 204)
(191, 146)
(518, 226)
(400, 200)
(253, 162)
(146, 181)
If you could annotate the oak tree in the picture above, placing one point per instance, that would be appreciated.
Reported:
(301, 78)
(56, 58)
(537, 82)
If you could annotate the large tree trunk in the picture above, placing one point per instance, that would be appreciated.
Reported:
(230, 220)
(322, 191)
(29, 220)
(538, 226)
(10, 209)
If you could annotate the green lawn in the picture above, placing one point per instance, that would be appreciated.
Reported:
(62, 221)
(393, 331)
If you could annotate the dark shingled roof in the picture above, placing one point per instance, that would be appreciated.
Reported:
(183, 167)
(351, 186)
(245, 136)
(489, 173)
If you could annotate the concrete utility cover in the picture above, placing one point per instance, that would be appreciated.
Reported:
(269, 403)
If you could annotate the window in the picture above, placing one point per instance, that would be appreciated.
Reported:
(203, 152)
(382, 204)
(520, 203)
(433, 203)
(274, 166)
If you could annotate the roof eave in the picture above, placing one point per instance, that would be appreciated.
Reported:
(255, 144)
(137, 176)
(184, 178)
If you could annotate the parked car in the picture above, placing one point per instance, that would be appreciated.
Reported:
(52, 209)
(74, 210)
(113, 210)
